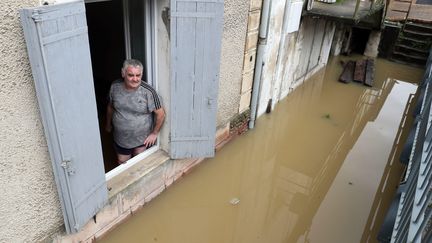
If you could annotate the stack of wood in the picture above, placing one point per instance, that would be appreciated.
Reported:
(361, 71)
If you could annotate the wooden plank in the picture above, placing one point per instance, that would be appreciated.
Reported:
(399, 6)
(359, 71)
(370, 72)
(421, 13)
(348, 72)
(395, 15)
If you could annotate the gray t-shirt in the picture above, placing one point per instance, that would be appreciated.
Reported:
(132, 116)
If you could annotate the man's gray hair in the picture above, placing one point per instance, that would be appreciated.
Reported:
(131, 62)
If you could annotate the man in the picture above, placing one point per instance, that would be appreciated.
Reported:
(132, 103)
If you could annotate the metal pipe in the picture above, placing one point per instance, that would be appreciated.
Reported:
(264, 21)
(262, 42)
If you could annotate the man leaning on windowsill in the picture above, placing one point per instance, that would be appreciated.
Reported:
(132, 104)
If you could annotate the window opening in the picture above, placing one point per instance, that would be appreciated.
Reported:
(117, 30)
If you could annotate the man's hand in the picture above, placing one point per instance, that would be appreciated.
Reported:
(150, 140)
(160, 116)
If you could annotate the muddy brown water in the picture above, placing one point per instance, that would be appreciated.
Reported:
(322, 167)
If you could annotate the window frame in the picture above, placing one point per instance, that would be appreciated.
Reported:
(149, 65)
(150, 47)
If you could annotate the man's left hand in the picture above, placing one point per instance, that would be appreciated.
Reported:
(150, 140)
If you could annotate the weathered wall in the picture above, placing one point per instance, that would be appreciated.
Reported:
(287, 55)
(29, 205)
(271, 53)
(338, 40)
(233, 41)
(250, 55)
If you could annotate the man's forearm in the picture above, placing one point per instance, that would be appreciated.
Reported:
(160, 117)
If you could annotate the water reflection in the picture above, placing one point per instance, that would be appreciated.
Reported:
(309, 172)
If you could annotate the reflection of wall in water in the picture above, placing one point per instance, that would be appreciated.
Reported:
(290, 192)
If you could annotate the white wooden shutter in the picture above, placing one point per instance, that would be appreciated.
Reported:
(58, 49)
(196, 33)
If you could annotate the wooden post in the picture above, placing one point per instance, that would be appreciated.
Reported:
(359, 72)
(348, 72)
(370, 72)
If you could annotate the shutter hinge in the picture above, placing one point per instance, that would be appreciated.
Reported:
(67, 166)
(36, 16)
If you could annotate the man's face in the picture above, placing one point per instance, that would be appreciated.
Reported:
(132, 77)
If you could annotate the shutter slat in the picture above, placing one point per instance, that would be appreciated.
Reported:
(192, 15)
(64, 35)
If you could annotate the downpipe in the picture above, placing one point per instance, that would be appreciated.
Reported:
(262, 42)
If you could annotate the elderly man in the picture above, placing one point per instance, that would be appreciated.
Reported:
(132, 103)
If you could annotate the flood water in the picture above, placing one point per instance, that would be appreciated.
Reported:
(321, 168)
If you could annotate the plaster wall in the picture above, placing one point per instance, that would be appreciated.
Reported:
(233, 46)
(29, 204)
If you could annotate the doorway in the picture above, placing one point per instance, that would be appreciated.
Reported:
(117, 31)
(359, 40)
